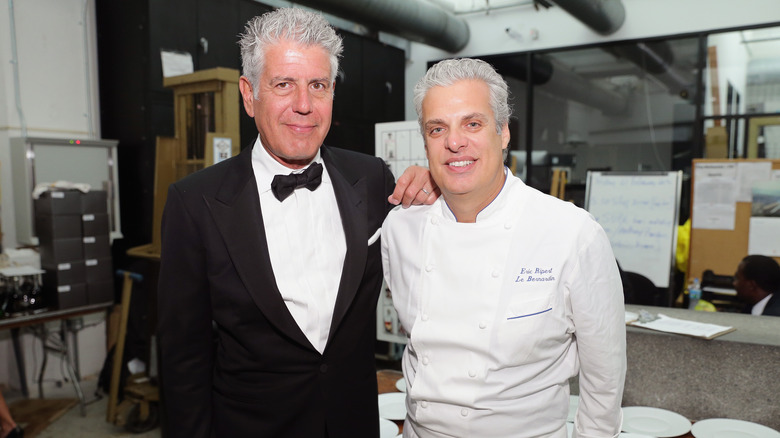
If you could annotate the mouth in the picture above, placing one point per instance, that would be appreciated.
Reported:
(460, 163)
(301, 128)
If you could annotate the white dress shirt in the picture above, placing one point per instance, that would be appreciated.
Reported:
(306, 244)
(502, 312)
(758, 308)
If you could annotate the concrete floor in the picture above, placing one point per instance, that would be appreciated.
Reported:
(94, 425)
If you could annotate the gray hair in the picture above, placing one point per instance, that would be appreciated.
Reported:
(286, 24)
(449, 71)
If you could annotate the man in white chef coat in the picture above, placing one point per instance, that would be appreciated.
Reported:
(505, 292)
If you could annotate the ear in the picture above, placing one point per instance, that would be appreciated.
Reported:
(505, 135)
(247, 95)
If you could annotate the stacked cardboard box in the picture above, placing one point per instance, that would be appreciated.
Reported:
(73, 237)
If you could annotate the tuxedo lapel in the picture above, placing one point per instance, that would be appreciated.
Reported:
(237, 214)
(351, 199)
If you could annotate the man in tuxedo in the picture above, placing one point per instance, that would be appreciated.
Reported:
(757, 283)
(270, 269)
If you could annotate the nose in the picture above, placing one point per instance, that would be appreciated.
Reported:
(302, 101)
(456, 140)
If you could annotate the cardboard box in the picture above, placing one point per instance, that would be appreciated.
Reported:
(95, 224)
(61, 251)
(94, 201)
(99, 293)
(96, 247)
(51, 227)
(65, 273)
(68, 295)
(59, 202)
(99, 270)
(716, 142)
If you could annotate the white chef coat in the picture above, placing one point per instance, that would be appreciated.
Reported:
(502, 312)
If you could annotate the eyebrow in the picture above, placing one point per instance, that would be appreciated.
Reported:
(292, 79)
(471, 116)
(474, 116)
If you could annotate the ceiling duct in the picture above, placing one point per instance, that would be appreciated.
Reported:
(657, 58)
(414, 20)
(556, 78)
(603, 16)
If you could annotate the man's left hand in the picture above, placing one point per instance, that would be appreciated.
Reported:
(414, 187)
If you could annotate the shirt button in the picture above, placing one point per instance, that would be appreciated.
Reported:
(472, 373)
(482, 325)
(464, 412)
(324, 368)
(425, 360)
(435, 221)
(507, 225)
(428, 268)
(423, 404)
(495, 273)
(424, 317)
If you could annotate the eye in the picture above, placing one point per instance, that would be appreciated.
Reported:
(319, 86)
(434, 131)
(473, 124)
(283, 85)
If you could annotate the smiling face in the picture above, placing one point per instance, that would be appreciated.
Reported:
(294, 102)
(465, 151)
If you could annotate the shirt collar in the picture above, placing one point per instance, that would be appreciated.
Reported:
(266, 167)
(758, 308)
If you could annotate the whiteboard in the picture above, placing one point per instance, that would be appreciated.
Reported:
(639, 213)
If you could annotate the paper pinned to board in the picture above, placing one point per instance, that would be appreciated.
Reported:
(684, 327)
(175, 63)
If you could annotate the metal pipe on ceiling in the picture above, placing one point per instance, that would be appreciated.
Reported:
(603, 16)
(558, 79)
(414, 20)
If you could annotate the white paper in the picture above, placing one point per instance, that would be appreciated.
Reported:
(401, 145)
(749, 173)
(764, 236)
(682, 326)
(176, 63)
(715, 196)
(775, 175)
(222, 146)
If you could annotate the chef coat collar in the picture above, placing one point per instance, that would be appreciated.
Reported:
(495, 205)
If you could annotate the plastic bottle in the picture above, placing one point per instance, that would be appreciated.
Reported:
(694, 293)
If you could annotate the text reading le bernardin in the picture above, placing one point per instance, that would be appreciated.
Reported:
(528, 275)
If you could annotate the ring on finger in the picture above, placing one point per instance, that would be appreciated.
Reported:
(425, 191)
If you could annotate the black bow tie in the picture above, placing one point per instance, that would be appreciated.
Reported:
(284, 185)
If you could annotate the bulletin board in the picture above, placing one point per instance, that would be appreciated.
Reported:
(721, 250)
(638, 211)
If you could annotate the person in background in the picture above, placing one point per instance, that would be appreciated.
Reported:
(270, 266)
(506, 292)
(8, 427)
(757, 283)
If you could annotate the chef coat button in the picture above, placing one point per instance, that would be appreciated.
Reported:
(428, 268)
(464, 412)
(435, 221)
(425, 360)
(495, 273)
(482, 325)
(424, 317)
(472, 373)
(507, 225)
(423, 404)
(324, 368)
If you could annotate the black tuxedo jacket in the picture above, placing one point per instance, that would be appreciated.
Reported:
(234, 362)
(773, 305)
